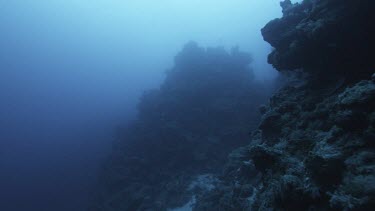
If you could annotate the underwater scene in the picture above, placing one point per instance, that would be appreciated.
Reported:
(187, 105)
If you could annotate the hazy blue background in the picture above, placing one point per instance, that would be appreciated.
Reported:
(71, 70)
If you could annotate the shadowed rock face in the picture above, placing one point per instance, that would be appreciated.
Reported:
(186, 128)
(325, 37)
(314, 148)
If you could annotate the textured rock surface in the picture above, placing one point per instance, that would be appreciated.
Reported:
(322, 36)
(202, 111)
(314, 149)
(321, 156)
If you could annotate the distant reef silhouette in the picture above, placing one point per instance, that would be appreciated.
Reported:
(205, 108)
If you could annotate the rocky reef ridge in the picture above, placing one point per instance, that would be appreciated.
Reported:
(314, 147)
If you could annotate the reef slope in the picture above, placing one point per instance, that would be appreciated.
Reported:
(314, 148)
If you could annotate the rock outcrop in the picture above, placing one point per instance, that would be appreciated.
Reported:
(204, 109)
(314, 148)
(323, 37)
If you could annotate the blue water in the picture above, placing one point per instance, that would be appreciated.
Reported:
(72, 71)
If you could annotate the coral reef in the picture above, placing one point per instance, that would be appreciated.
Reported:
(314, 148)
(203, 110)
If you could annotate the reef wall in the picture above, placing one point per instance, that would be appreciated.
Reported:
(314, 148)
